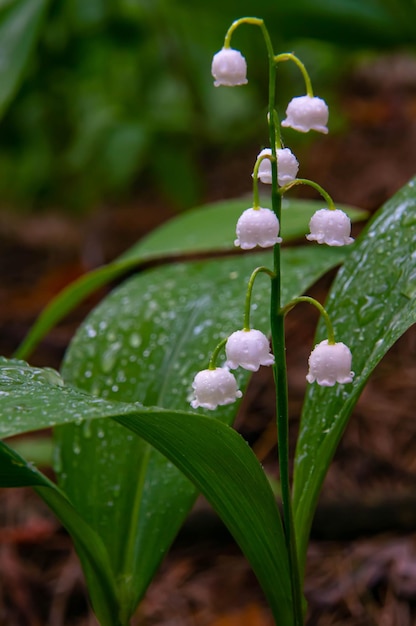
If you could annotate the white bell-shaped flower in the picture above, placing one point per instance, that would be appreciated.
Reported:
(214, 388)
(330, 363)
(248, 349)
(229, 68)
(287, 166)
(257, 227)
(265, 167)
(330, 226)
(307, 113)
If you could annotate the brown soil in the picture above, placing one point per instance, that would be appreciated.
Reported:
(362, 559)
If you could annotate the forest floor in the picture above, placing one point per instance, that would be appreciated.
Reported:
(362, 559)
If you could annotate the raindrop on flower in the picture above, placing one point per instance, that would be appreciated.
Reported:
(330, 363)
(257, 227)
(214, 387)
(306, 113)
(229, 68)
(330, 226)
(248, 349)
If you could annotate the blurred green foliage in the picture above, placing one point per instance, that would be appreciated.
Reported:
(109, 94)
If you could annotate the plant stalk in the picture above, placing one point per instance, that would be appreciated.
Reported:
(279, 369)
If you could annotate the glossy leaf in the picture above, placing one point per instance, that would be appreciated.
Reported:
(372, 303)
(211, 454)
(20, 21)
(212, 228)
(15, 472)
(196, 231)
(146, 342)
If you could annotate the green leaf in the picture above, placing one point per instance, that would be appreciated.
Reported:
(145, 343)
(196, 231)
(224, 469)
(211, 454)
(20, 21)
(372, 303)
(15, 472)
(212, 228)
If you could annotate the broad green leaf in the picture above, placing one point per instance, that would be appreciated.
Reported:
(212, 228)
(145, 343)
(234, 483)
(202, 230)
(20, 21)
(15, 472)
(211, 454)
(372, 303)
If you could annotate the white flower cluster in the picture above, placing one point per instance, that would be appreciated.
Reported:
(248, 349)
(257, 226)
(329, 363)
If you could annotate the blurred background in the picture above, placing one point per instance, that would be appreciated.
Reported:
(102, 98)
(109, 125)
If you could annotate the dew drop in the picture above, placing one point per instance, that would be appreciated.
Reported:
(109, 357)
(86, 429)
(135, 340)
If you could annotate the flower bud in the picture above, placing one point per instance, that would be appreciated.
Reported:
(330, 226)
(248, 349)
(257, 227)
(214, 388)
(307, 113)
(330, 364)
(287, 166)
(229, 68)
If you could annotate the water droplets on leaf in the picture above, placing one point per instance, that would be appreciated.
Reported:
(109, 357)
(369, 308)
(135, 340)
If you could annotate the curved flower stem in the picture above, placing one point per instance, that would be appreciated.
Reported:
(256, 21)
(256, 199)
(310, 183)
(288, 56)
(213, 360)
(249, 292)
(330, 329)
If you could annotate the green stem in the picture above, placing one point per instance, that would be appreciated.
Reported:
(256, 199)
(279, 368)
(213, 360)
(278, 335)
(249, 292)
(310, 183)
(330, 329)
(244, 20)
(288, 56)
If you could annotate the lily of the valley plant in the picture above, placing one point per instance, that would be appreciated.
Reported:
(330, 361)
(139, 431)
